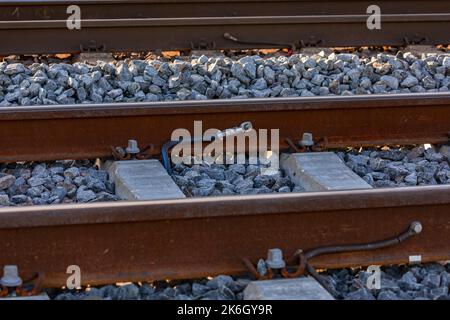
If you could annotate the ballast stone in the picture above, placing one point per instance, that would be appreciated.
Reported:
(305, 288)
(321, 171)
(142, 180)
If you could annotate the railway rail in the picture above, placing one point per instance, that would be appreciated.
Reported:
(40, 28)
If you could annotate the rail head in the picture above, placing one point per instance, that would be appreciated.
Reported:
(226, 106)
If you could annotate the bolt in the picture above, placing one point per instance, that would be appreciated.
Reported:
(275, 259)
(416, 227)
(132, 147)
(307, 140)
(10, 276)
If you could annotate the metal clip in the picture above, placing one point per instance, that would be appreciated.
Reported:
(312, 42)
(230, 37)
(307, 140)
(242, 128)
(36, 285)
(10, 277)
(132, 147)
(303, 258)
(414, 40)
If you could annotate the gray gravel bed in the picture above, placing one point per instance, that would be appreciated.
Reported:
(34, 183)
(216, 180)
(218, 288)
(202, 77)
(426, 282)
(400, 166)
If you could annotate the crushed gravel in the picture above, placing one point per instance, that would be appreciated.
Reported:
(222, 287)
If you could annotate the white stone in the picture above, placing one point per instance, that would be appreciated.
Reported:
(142, 180)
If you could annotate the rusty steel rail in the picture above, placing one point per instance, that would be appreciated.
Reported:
(220, 32)
(188, 238)
(88, 131)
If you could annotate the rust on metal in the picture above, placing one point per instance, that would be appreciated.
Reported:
(188, 238)
(85, 131)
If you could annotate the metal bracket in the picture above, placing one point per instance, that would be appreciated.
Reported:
(291, 46)
(220, 135)
(11, 283)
